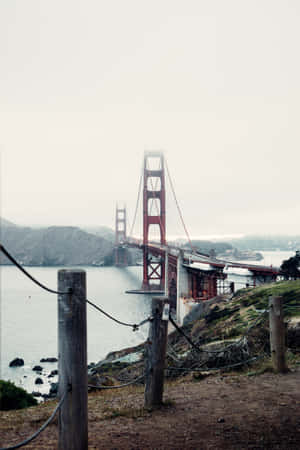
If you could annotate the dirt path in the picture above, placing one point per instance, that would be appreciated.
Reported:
(220, 412)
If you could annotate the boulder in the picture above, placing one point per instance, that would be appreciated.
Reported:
(100, 380)
(53, 390)
(51, 360)
(195, 314)
(36, 394)
(38, 380)
(37, 368)
(17, 362)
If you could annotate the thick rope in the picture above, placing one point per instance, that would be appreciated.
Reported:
(134, 326)
(48, 421)
(12, 259)
(119, 386)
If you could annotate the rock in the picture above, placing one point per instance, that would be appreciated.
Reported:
(51, 360)
(36, 394)
(53, 373)
(37, 368)
(100, 380)
(203, 309)
(38, 381)
(195, 314)
(53, 390)
(17, 362)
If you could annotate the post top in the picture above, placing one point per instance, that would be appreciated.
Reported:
(71, 271)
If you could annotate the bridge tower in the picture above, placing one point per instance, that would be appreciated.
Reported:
(120, 251)
(154, 216)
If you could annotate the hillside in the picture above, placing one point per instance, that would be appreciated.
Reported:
(228, 334)
(54, 246)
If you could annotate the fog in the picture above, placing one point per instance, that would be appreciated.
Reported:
(87, 86)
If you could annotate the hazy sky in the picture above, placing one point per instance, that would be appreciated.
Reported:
(86, 86)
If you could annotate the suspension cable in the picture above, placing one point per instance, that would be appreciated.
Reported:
(12, 259)
(137, 204)
(134, 326)
(42, 428)
(178, 208)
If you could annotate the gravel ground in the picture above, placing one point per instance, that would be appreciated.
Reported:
(217, 412)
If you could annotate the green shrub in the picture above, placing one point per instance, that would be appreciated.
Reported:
(13, 397)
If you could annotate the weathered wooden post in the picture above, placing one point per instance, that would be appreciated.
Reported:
(156, 352)
(72, 360)
(277, 334)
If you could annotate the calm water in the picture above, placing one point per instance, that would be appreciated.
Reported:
(29, 316)
(240, 277)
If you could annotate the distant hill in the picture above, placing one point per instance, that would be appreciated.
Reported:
(6, 223)
(271, 242)
(104, 232)
(54, 246)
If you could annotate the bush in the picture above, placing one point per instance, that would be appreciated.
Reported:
(13, 397)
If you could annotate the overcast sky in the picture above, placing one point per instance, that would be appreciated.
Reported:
(86, 86)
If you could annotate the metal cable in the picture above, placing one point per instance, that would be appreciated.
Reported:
(48, 421)
(12, 259)
(119, 386)
(134, 326)
(199, 349)
(137, 204)
(207, 369)
(172, 354)
(178, 208)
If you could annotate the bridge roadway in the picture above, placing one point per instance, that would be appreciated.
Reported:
(196, 257)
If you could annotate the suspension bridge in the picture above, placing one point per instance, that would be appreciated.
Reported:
(183, 275)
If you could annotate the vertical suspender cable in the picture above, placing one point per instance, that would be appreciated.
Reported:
(137, 205)
(178, 208)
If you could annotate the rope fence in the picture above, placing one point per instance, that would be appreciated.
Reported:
(136, 380)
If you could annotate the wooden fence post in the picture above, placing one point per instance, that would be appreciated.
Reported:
(72, 360)
(277, 334)
(156, 352)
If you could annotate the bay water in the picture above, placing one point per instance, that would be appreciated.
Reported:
(29, 318)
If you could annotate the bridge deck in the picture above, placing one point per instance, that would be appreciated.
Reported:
(192, 257)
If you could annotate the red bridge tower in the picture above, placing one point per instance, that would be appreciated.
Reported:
(154, 217)
(120, 251)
